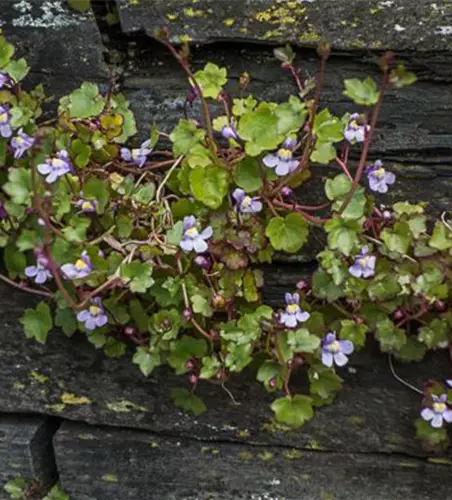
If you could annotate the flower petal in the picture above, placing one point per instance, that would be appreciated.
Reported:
(82, 316)
(340, 359)
(271, 160)
(327, 359)
(199, 245)
(427, 414)
(437, 421)
(347, 346)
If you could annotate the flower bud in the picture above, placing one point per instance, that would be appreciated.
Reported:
(387, 215)
(193, 378)
(190, 364)
(218, 301)
(324, 49)
(303, 285)
(129, 331)
(272, 383)
(202, 261)
(398, 314)
(187, 314)
(440, 306)
(165, 325)
(286, 191)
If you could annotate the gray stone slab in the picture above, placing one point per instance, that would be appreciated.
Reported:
(68, 378)
(118, 464)
(26, 449)
(346, 24)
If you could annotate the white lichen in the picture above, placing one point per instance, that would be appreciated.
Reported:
(444, 30)
(49, 14)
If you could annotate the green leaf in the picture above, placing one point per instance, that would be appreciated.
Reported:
(403, 207)
(210, 367)
(400, 77)
(76, 230)
(6, 52)
(248, 175)
(269, 371)
(201, 306)
(139, 315)
(16, 487)
(342, 234)
(239, 356)
(174, 235)
(209, 185)
(211, 80)
(145, 194)
(84, 102)
(185, 136)
(413, 350)
(114, 348)
(291, 115)
(17, 70)
(15, 261)
(18, 186)
(338, 187)
(185, 349)
(284, 54)
(293, 411)
(82, 151)
(328, 128)
(242, 106)
(146, 360)
(81, 6)
(353, 331)
(124, 226)
(27, 240)
(56, 493)
(434, 334)
(363, 92)
(441, 238)
(302, 341)
(37, 322)
(397, 239)
(385, 288)
(199, 156)
(434, 437)
(259, 128)
(188, 401)
(95, 189)
(324, 383)
(137, 275)
(324, 287)
(356, 207)
(288, 234)
(390, 337)
(323, 153)
(418, 225)
(65, 319)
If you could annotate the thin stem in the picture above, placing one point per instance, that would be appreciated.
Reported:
(26, 288)
(167, 176)
(296, 208)
(344, 168)
(406, 384)
(287, 380)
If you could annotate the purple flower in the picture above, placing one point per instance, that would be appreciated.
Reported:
(203, 262)
(192, 239)
(229, 131)
(293, 313)
(5, 79)
(286, 191)
(93, 317)
(5, 119)
(81, 269)
(86, 206)
(379, 178)
(355, 131)
(56, 167)
(245, 204)
(364, 265)
(39, 272)
(334, 351)
(449, 383)
(438, 412)
(283, 158)
(138, 155)
(21, 143)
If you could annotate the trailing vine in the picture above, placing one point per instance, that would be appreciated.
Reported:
(161, 247)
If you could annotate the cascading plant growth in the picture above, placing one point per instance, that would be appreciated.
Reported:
(161, 248)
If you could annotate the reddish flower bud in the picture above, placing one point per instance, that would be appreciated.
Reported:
(398, 314)
(193, 378)
(440, 306)
(272, 383)
(286, 191)
(190, 364)
(218, 301)
(303, 285)
(202, 261)
(165, 325)
(129, 331)
(187, 314)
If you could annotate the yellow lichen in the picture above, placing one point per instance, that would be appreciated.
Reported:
(68, 398)
(110, 478)
(189, 12)
(210, 451)
(18, 386)
(355, 419)
(229, 22)
(58, 408)
(292, 454)
(185, 38)
(439, 461)
(38, 377)
(124, 406)
(154, 444)
(172, 17)
(243, 434)
(265, 456)
(245, 455)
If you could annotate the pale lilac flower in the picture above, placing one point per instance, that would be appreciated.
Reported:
(5, 122)
(93, 317)
(449, 383)
(379, 178)
(334, 351)
(293, 313)
(245, 204)
(438, 412)
(39, 272)
(21, 143)
(86, 206)
(282, 159)
(229, 131)
(5, 79)
(81, 269)
(192, 239)
(56, 167)
(364, 265)
(355, 131)
(137, 156)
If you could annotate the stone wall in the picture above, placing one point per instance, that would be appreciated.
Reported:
(112, 434)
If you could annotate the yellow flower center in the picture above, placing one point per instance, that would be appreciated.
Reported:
(136, 153)
(293, 308)
(363, 261)
(19, 141)
(354, 124)
(94, 310)
(334, 346)
(57, 163)
(439, 407)
(81, 264)
(192, 232)
(86, 205)
(380, 173)
(4, 118)
(285, 154)
(246, 202)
